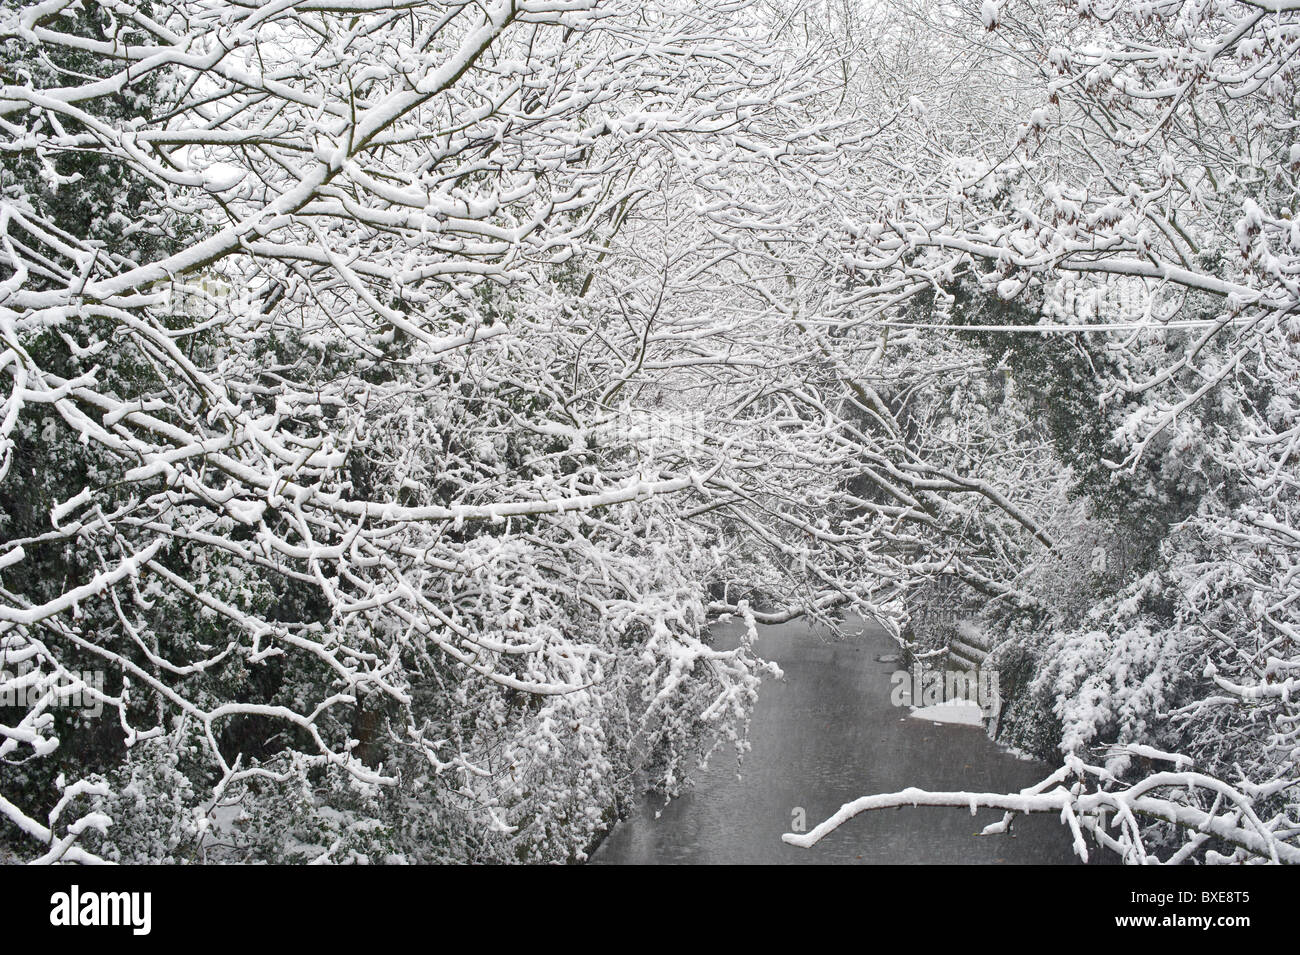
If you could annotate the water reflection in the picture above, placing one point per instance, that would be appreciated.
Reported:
(827, 735)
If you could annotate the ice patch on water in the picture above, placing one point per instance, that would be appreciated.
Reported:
(962, 712)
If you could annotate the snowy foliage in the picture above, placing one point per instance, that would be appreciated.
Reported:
(1141, 177)
(394, 393)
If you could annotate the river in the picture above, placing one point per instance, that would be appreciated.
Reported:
(823, 736)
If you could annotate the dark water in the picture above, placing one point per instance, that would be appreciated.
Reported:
(826, 735)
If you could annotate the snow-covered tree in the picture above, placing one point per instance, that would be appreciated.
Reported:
(339, 430)
(394, 393)
(1136, 179)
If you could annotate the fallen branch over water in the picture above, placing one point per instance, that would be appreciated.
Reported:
(1231, 817)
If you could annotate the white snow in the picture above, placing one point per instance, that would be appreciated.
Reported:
(959, 712)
